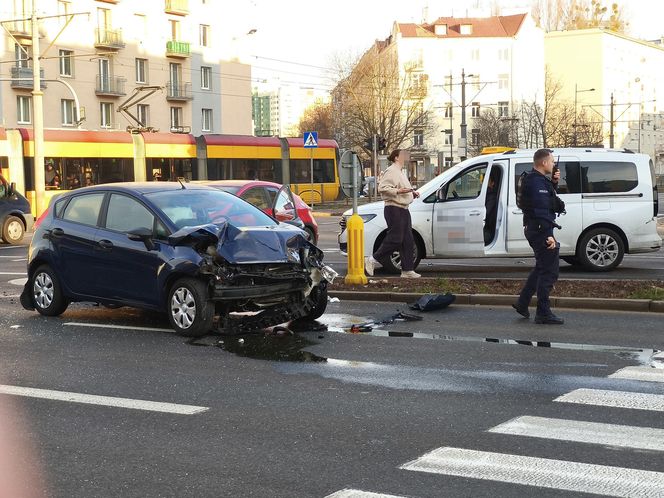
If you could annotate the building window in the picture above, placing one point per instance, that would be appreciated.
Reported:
(21, 56)
(206, 78)
(475, 81)
(475, 110)
(475, 136)
(67, 112)
(64, 9)
(207, 120)
(176, 117)
(503, 109)
(475, 54)
(503, 54)
(448, 110)
(106, 114)
(23, 109)
(141, 70)
(503, 81)
(204, 35)
(175, 29)
(448, 137)
(66, 62)
(418, 138)
(448, 162)
(143, 114)
(466, 29)
(140, 27)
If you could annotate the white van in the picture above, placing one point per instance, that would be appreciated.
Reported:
(610, 198)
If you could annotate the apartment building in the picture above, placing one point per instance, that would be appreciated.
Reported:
(100, 53)
(611, 63)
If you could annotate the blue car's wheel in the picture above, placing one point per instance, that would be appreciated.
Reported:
(189, 309)
(46, 292)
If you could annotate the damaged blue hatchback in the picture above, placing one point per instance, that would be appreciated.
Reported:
(206, 258)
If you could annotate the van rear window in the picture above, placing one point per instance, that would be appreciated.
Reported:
(604, 177)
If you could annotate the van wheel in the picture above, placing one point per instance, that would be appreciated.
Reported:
(601, 249)
(13, 230)
(189, 310)
(46, 292)
(394, 263)
(319, 295)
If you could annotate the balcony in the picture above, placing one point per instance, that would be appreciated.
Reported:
(179, 92)
(109, 38)
(178, 49)
(110, 86)
(20, 30)
(177, 7)
(22, 78)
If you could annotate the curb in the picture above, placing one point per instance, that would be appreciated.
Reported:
(580, 303)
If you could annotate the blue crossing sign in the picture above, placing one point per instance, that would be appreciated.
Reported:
(310, 139)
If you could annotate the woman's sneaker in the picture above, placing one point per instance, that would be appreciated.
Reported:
(410, 274)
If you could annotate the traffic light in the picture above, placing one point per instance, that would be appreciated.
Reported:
(381, 143)
(368, 144)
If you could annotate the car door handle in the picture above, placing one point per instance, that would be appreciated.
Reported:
(518, 211)
(475, 213)
(57, 232)
(105, 244)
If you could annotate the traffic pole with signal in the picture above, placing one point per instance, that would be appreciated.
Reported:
(355, 224)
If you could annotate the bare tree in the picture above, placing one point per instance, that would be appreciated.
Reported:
(318, 117)
(556, 15)
(378, 95)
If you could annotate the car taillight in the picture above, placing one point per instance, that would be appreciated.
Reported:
(41, 218)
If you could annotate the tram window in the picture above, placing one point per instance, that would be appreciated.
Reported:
(301, 171)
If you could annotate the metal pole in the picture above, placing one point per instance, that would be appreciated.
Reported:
(611, 136)
(374, 158)
(38, 118)
(355, 166)
(462, 139)
(575, 123)
(311, 178)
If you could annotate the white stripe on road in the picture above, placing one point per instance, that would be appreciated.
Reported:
(645, 374)
(12, 273)
(121, 327)
(623, 436)
(14, 256)
(540, 472)
(615, 399)
(91, 399)
(10, 296)
(356, 493)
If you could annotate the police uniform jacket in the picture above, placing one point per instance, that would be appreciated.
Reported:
(539, 195)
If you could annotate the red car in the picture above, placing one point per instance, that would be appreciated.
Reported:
(264, 195)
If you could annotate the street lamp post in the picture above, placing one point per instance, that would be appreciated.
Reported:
(576, 93)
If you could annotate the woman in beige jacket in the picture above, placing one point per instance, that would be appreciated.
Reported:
(398, 194)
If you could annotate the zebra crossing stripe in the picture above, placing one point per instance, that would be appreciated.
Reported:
(622, 436)
(645, 374)
(614, 399)
(356, 493)
(540, 472)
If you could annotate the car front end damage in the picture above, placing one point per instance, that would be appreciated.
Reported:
(259, 276)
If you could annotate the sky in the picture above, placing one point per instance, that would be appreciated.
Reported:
(295, 41)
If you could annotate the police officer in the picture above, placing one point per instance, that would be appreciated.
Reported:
(539, 203)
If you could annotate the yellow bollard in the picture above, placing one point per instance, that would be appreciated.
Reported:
(355, 233)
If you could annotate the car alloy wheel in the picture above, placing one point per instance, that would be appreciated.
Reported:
(43, 290)
(602, 250)
(183, 308)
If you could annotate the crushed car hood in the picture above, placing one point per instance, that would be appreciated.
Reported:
(241, 245)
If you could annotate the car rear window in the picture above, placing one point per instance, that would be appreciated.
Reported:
(84, 209)
(605, 177)
(200, 207)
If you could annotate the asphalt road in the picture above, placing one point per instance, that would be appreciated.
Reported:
(427, 408)
(638, 266)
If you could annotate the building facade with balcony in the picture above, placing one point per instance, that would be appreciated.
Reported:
(612, 64)
(118, 49)
(502, 58)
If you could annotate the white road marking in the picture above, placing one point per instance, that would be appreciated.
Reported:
(121, 327)
(19, 281)
(13, 256)
(91, 399)
(645, 374)
(623, 436)
(356, 493)
(12, 273)
(18, 260)
(10, 296)
(615, 399)
(540, 472)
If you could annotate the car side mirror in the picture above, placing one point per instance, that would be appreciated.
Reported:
(142, 235)
(441, 194)
(11, 190)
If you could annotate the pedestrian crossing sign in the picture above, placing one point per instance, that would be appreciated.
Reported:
(310, 139)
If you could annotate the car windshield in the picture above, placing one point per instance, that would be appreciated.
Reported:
(199, 207)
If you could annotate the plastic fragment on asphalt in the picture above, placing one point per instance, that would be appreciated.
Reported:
(333, 299)
(431, 302)
(15, 327)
